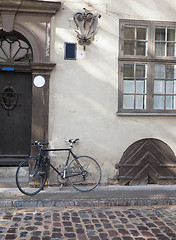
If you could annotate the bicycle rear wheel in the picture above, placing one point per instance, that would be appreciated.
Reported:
(84, 173)
(31, 176)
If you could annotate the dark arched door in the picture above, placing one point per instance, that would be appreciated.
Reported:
(15, 116)
(15, 98)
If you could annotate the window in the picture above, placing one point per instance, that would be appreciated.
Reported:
(14, 47)
(147, 68)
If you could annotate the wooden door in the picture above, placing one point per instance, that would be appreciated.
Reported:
(15, 117)
(147, 161)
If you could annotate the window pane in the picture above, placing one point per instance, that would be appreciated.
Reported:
(171, 35)
(128, 102)
(160, 34)
(169, 103)
(128, 70)
(129, 47)
(6, 47)
(174, 102)
(2, 56)
(160, 49)
(141, 48)
(171, 71)
(169, 87)
(128, 86)
(141, 33)
(129, 33)
(141, 70)
(158, 102)
(159, 87)
(140, 86)
(159, 71)
(171, 50)
(140, 102)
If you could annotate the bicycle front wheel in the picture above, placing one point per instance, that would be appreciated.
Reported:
(31, 176)
(84, 173)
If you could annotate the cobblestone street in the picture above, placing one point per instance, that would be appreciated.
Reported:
(126, 223)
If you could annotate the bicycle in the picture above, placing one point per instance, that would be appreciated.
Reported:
(82, 172)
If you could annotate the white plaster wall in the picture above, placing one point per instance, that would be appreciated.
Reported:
(83, 92)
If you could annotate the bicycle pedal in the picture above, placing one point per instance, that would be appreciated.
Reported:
(61, 186)
(41, 173)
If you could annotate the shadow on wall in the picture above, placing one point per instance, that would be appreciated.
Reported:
(147, 161)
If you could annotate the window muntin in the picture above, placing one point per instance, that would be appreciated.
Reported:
(154, 91)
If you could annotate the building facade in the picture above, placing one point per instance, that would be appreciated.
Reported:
(116, 92)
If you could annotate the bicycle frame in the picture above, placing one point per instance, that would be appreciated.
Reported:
(70, 152)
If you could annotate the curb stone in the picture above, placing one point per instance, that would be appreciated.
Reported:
(86, 202)
(102, 196)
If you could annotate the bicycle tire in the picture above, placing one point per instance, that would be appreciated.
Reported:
(31, 176)
(84, 173)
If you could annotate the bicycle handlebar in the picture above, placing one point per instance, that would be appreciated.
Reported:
(71, 141)
(36, 143)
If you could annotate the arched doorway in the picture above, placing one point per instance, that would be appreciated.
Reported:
(24, 54)
(15, 98)
(147, 161)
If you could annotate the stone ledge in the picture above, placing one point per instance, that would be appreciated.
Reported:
(33, 6)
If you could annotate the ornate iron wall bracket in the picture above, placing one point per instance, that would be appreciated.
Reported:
(85, 22)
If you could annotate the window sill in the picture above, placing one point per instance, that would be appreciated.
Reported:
(147, 59)
(145, 114)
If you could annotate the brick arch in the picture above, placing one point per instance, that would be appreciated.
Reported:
(147, 161)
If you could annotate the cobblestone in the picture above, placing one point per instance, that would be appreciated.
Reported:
(83, 223)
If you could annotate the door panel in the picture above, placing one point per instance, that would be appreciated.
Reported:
(15, 121)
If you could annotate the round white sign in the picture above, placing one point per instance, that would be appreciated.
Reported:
(39, 81)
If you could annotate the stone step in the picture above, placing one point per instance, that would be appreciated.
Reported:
(6, 172)
(8, 183)
(7, 177)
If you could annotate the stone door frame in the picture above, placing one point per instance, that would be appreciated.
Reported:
(32, 19)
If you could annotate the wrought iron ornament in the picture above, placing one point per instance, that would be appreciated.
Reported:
(9, 98)
(85, 23)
